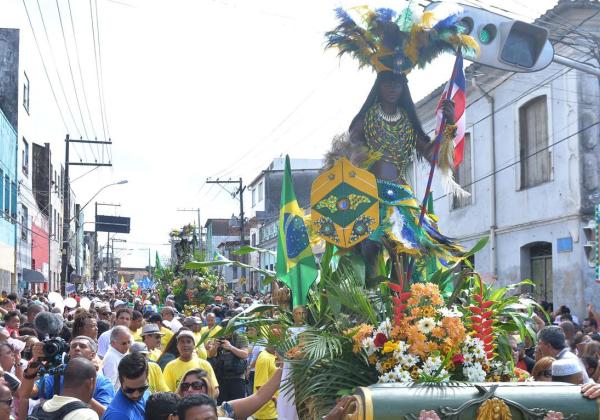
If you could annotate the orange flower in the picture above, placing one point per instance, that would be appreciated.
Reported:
(438, 332)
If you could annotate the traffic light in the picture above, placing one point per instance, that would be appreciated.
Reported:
(590, 232)
(504, 43)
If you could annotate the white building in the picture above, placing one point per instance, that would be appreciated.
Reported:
(531, 166)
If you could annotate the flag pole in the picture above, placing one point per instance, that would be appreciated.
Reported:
(434, 161)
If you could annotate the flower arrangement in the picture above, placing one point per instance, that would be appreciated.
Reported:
(428, 342)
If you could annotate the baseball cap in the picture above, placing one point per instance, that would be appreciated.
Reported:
(186, 333)
(139, 347)
(151, 329)
(118, 303)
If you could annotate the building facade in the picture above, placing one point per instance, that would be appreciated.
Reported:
(531, 166)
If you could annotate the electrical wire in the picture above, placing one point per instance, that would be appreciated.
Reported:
(62, 88)
(98, 76)
(37, 44)
(108, 149)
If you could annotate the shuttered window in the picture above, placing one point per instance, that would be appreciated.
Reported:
(464, 176)
(533, 137)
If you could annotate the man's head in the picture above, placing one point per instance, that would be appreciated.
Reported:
(80, 379)
(123, 317)
(83, 346)
(32, 310)
(211, 319)
(197, 407)
(551, 340)
(6, 400)
(133, 375)
(120, 339)
(162, 406)
(136, 320)
(168, 313)
(151, 336)
(569, 329)
(589, 325)
(85, 324)
(567, 370)
(186, 343)
(156, 318)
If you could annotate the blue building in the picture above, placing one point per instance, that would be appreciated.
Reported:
(8, 203)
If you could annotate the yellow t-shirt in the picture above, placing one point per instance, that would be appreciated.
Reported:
(175, 370)
(156, 379)
(164, 340)
(155, 354)
(264, 370)
(200, 350)
(213, 331)
(137, 335)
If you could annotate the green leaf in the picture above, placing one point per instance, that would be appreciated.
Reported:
(478, 247)
(247, 249)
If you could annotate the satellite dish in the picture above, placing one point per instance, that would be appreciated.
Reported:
(85, 303)
(54, 298)
(70, 303)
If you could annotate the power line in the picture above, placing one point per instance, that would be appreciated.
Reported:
(98, 76)
(85, 99)
(102, 75)
(526, 157)
(62, 29)
(37, 44)
(56, 68)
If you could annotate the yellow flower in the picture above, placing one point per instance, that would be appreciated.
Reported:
(389, 347)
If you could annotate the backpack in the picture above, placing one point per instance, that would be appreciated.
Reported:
(38, 412)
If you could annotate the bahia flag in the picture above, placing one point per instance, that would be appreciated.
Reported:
(296, 265)
(457, 87)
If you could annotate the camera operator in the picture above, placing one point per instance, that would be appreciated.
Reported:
(230, 356)
(81, 346)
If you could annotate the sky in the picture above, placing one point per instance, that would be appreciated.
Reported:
(193, 89)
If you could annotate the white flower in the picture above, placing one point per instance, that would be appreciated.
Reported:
(402, 375)
(474, 373)
(409, 360)
(425, 325)
(450, 313)
(369, 345)
(388, 377)
(431, 365)
(385, 327)
(400, 352)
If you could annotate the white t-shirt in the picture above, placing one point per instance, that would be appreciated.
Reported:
(104, 343)
(110, 366)
(58, 401)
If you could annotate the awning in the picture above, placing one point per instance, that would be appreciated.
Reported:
(32, 276)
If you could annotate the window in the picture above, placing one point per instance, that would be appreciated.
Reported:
(13, 197)
(533, 137)
(253, 197)
(26, 92)
(234, 272)
(541, 271)
(464, 176)
(24, 222)
(253, 239)
(25, 157)
(1, 190)
(6, 194)
(260, 191)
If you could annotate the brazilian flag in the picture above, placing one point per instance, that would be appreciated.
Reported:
(296, 265)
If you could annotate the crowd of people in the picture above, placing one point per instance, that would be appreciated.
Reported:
(124, 357)
(120, 356)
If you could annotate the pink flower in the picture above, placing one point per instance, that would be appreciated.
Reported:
(428, 415)
(458, 359)
(380, 340)
(553, 415)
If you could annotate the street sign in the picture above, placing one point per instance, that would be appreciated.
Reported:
(113, 224)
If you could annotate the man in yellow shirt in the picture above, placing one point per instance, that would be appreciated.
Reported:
(167, 333)
(211, 325)
(135, 326)
(151, 337)
(175, 369)
(195, 324)
(156, 380)
(264, 370)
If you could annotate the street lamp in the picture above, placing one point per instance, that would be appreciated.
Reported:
(124, 181)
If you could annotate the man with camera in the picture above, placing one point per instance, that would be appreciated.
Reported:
(81, 346)
(72, 403)
(229, 359)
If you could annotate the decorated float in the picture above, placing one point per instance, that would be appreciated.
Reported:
(391, 311)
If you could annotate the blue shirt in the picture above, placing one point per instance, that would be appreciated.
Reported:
(122, 408)
(104, 392)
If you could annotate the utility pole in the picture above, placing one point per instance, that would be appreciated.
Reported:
(240, 191)
(107, 240)
(112, 262)
(66, 244)
(199, 226)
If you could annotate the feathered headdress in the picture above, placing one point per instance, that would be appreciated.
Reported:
(399, 42)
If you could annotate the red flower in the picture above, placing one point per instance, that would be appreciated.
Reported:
(380, 340)
(458, 359)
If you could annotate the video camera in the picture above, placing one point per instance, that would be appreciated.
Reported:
(54, 350)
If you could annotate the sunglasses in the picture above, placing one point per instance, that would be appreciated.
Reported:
(141, 389)
(7, 402)
(196, 386)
